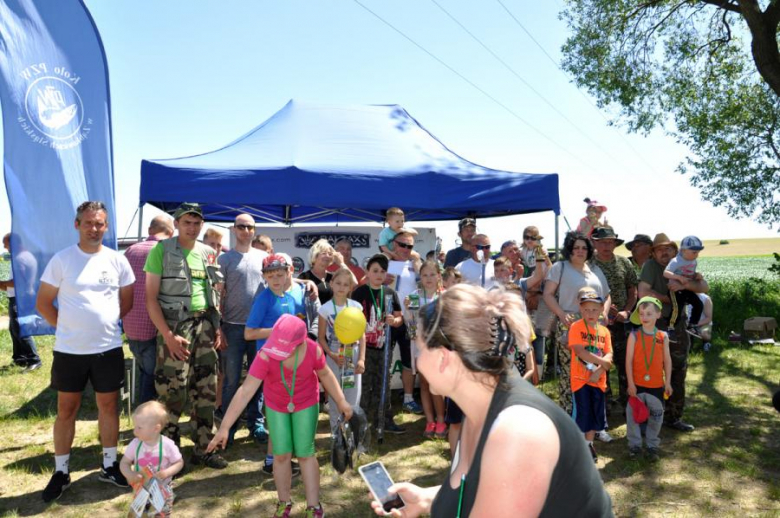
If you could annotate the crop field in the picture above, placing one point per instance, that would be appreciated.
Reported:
(716, 269)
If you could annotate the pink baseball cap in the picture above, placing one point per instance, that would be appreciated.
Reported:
(288, 333)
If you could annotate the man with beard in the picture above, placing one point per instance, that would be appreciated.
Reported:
(653, 284)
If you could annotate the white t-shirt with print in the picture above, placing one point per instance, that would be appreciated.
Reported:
(88, 298)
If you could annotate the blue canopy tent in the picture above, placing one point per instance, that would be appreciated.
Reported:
(313, 163)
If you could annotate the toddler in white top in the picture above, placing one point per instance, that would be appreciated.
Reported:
(151, 449)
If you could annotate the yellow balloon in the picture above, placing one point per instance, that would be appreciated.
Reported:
(350, 325)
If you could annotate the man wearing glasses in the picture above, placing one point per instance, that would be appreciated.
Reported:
(478, 269)
(242, 267)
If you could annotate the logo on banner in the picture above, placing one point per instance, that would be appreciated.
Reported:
(357, 239)
(53, 112)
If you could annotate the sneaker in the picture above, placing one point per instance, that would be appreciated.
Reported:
(680, 426)
(260, 435)
(210, 460)
(652, 454)
(441, 430)
(430, 430)
(593, 452)
(268, 469)
(57, 485)
(393, 428)
(315, 512)
(707, 346)
(112, 475)
(603, 436)
(283, 509)
(634, 452)
(412, 407)
(33, 367)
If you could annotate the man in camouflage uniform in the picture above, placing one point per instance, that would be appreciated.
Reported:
(622, 280)
(653, 284)
(182, 286)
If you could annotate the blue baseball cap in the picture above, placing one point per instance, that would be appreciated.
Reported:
(691, 243)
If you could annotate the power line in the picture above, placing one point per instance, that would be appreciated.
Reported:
(475, 86)
(526, 83)
(588, 99)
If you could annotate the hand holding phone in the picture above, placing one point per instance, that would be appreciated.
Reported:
(379, 483)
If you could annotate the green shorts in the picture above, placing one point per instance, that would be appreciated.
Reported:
(293, 433)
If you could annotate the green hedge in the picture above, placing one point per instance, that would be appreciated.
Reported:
(736, 300)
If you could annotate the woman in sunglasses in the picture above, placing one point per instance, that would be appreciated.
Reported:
(518, 454)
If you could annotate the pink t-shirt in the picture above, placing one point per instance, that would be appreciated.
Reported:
(151, 456)
(307, 391)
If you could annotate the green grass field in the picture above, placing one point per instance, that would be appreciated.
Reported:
(730, 466)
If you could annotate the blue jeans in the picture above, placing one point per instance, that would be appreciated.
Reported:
(232, 363)
(24, 351)
(145, 353)
(538, 346)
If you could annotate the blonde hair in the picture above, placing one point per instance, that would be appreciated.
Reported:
(501, 261)
(393, 211)
(344, 271)
(153, 409)
(434, 265)
(451, 272)
(322, 245)
(480, 326)
(212, 232)
(265, 241)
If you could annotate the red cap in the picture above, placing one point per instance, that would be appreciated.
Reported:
(288, 333)
(275, 262)
(639, 409)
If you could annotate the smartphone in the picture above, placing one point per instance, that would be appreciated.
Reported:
(379, 483)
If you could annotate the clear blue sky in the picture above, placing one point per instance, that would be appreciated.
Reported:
(188, 77)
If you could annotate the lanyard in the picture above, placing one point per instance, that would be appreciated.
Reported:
(290, 391)
(138, 452)
(460, 495)
(587, 329)
(378, 308)
(644, 350)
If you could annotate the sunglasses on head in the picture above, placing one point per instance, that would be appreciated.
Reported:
(404, 245)
(482, 247)
(245, 227)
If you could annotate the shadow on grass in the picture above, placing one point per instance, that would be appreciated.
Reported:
(735, 440)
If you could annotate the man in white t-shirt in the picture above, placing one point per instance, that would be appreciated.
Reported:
(93, 288)
(404, 284)
(478, 269)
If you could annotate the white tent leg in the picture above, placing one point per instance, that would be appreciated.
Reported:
(140, 222)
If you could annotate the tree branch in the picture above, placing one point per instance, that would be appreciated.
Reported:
(723, 4)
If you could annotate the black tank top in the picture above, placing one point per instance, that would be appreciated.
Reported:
(575, 489)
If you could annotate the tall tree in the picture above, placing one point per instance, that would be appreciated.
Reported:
(707, 71)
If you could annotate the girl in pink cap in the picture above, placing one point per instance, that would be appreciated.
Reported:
(591, 221)
(291, 365)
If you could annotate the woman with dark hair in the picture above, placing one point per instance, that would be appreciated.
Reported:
(518, 454)
(562, 285)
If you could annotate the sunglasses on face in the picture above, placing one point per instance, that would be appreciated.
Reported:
(482, 247)
(245, 227)
(530, 238)
(404, 245)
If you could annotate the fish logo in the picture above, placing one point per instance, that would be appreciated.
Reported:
(54, 108)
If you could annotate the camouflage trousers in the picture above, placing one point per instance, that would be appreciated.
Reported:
(194, 379)
(675, 405)
(564, 364)
(619, 338)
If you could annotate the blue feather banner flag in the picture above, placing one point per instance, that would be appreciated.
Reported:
(56, 133)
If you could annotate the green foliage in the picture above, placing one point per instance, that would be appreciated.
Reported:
(775, 268)
(685, 66)
(740, 288)
(724, 242)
